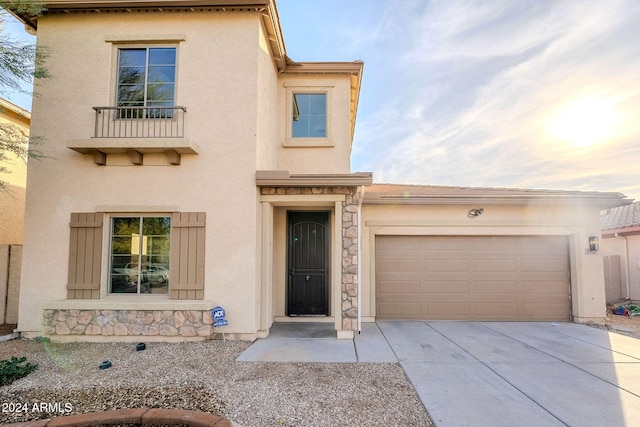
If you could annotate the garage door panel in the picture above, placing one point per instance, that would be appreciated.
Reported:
(400, 255)
(403, 298)
(544, 288)
(445, 276)
(400, 265)
(545, 264)
(545, 244)
(448, 310)
(544, 298)
(399, 287)
(492, 243)
(442, 243)
(449, 299)
(446, 287)
(496, 287)
(493, 277)
(495, 266)
(473, 277)
(492, 310)
(548, 311)
(400, 310)
(404, 243)
(443, 265)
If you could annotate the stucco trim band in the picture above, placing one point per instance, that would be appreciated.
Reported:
(280, 178)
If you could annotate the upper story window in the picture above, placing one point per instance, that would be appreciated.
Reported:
(309, 115)
(146, 77)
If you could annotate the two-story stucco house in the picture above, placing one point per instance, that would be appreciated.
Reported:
(193, 164)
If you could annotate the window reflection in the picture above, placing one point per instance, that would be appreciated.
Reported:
(309, 115)
(140, 255)
(146, 77)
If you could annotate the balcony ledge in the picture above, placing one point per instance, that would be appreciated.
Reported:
(136, 148)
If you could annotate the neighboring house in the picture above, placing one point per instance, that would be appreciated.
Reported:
(620, 247)
(15, 120)
(193, 165)
(15, 126)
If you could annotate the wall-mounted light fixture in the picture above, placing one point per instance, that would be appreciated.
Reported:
(594, 245)
(475, 212)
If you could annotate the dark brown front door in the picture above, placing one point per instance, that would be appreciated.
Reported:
(308, 254)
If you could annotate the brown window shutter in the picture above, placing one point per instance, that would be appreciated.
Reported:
(187, 255)
(85, 256)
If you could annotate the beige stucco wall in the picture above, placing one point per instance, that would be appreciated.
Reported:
(575, 221)
(218, 63)
(12, 200)
(628, 248)
(634, 267)
(236, 116)
(270, 118)
(316, 155)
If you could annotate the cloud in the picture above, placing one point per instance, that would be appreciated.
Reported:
(472, 86)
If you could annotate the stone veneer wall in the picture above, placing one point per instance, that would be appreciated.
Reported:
(165, 323)
(350, 262)
(349, 285)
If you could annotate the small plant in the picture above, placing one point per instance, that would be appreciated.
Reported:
(14, 369)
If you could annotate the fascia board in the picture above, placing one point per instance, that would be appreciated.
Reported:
(601, 202)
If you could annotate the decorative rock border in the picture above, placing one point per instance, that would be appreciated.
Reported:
(137, 416)
(165, 323)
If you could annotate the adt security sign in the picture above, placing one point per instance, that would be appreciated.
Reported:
(217, 313)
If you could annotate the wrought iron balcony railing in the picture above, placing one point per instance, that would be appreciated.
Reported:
(139, 122)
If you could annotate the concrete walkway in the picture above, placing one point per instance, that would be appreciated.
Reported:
(491, 373)
(317, 343)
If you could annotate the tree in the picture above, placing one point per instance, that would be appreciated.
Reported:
(20, 64)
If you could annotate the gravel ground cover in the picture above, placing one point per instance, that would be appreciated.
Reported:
(205, 377)
(628, 322)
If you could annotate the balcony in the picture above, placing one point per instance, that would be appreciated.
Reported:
(136, 131)
(139, 122)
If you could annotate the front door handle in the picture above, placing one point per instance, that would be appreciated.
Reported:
(308, 277)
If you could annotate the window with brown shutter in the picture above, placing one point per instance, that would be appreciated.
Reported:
(186, 272)
(139, 254)
(85, 255)
(187, 255)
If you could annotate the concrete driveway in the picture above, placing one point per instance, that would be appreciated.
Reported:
(524, 374)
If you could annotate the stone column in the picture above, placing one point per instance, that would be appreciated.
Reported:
(350, 262)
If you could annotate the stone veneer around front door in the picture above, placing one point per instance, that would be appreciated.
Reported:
(344, 200)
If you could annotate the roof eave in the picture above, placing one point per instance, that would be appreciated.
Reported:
(633, 230)
(605, 201)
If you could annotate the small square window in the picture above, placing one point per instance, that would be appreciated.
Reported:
(309, 115)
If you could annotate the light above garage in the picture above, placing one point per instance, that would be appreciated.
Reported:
(475, 212)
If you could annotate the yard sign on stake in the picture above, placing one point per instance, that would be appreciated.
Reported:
(218, 313)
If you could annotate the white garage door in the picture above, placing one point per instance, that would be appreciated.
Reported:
(472, 278)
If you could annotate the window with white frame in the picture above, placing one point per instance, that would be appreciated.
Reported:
(139, 255)
(146, 78)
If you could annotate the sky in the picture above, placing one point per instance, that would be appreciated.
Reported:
(539, 94)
